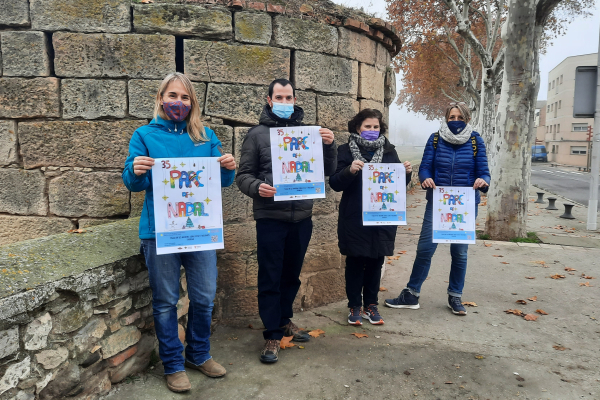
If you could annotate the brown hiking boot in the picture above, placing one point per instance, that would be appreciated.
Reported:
(298, 334)
(178, 382)
(209, 368)
(270, 351)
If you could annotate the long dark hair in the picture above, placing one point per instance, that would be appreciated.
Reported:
(359, 118)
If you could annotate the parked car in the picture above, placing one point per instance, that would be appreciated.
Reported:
(538, 153)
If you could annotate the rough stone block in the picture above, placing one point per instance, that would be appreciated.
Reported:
(94, 386)
(320, 258)
(50, 359)
(357, 46)
(136, 202)
(14, 373)
(222, 62)
(26, 194)
(77, 143)
(240, 237)
(237, 207)
(81, 16)
(66, 379)
(24, 54)
(119, 341)
(89, 335)
(183, 19)
(113, 56)
(72, 318)
(236, 102)
(334, 112)
(328, 205)
(120, 308)
(384, 58)
(8, 142)
(239, 136)
(142, 95)
(252, 270)
(14, 12)
(365, 103)
(137, 363)
(29, 98)
(389, 86)
(122, 356)
(9, 340)
(341, 137)
(370, 82)
(327, 287)
(308, 102)
(89, 222)
(323, 234)
(252, 27)
(99, 194)
(304, 35)
(93, 98)
(232, 271)
(36, 335)
(323, 73)
(225, 135)
(241, 303)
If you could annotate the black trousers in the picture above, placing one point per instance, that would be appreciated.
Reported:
(363, 275)
(281, 247)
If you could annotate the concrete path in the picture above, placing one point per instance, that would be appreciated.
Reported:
(430, 353)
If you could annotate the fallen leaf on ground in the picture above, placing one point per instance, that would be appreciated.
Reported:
(504, 262)
(360, 335)
(407, 373)
(300, 347)
(402, 252)
(479, 357)
(487, 245)
(515, 312)
(540, 311)
(521, 302)
(285, 342)
(394, 258)
(316, 332)
(530, 277)
(469, 303)
(584, 276)
(449, 383)
(534, 298)
(382, 289)
(557, 276)
(497, 255)
(520, 378)
(530, 317)
(569, 269)
(559, 348)
(76, 231)
(250, 326)
(389, 262)
(587, 284)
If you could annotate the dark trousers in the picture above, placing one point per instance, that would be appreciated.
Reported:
(281, 247)
(363, 275)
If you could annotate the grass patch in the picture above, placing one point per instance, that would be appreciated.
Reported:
(482, 236)
(531, 238)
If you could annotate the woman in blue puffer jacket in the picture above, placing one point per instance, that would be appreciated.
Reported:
(452, 161)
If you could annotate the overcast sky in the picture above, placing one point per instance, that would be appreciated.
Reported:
(581, 38)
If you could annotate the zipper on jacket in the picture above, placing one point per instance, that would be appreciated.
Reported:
(453, 158)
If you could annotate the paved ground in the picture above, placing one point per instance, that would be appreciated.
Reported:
(430, 353)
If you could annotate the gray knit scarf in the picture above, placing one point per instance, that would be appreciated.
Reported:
(356, 142)
(460, 138)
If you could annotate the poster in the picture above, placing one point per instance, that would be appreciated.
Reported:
(454, 215)
(384, 194)
(297, 157)
(188, 213)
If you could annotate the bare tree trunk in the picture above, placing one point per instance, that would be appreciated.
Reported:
(487, 111)
(510, 166)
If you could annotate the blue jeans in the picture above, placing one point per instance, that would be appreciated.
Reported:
(425, 250)
(201, 274)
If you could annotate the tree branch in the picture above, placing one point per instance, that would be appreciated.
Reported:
(496, 29)
(499, 62)
(543, 10)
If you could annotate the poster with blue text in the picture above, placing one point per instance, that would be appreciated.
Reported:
(297, 157)
(384, 194)
(454, 215)
(188, 214)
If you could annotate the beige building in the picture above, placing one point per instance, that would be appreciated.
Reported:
(540, 122)
(565, 136)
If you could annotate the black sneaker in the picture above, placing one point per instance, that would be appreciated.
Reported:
(405, 300)
(372, 314)
(298, 334)
(270, 352)
(456, 306)
(354, 317)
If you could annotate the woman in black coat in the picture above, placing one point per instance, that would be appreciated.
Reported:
(365, 247)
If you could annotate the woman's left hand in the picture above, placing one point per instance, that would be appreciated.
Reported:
(326, 135)
(408, 167)
(480, 183)
(227, 161)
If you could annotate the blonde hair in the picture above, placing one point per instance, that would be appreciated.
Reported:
(194, 119)
(462, 107)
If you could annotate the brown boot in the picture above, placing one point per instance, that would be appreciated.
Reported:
(269, 353)
(210, 368)
(178, 382)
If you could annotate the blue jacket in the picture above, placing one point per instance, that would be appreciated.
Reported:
(162, 139)
(454, 165)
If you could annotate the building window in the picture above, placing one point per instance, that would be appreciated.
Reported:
(578, 150)
(561, 79)
(558, 128)
(552, 107)
(549, 86)
(553, 149)
(559, 104)
(553, 83)
(579, 128)
(548, 110)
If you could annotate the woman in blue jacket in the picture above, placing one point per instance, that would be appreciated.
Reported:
(455, 156)
(177, 131)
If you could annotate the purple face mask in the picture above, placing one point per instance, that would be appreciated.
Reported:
(176, 110)
(369, 135)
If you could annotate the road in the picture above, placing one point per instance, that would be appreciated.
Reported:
(567, 183)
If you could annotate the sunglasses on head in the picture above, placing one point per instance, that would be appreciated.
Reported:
(462, 103)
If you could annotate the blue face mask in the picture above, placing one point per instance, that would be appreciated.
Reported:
(456, 127)
(283, 110)
(369, 135)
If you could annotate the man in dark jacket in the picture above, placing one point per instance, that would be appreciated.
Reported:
(283, 228)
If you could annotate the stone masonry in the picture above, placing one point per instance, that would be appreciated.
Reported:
(77, 78)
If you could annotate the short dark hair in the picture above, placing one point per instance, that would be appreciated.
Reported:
(282, 82)
(359, 118)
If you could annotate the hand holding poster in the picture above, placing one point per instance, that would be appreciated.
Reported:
(297, 163)
(454, 215)
(188, 213)
(384, 194)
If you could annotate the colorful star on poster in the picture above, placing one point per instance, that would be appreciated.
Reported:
(466, 213)
(207, 200)
(396, 192)
(165, 198)
(174, 166)
(280, 145)
(191, 194)
(165, 181)
(280, 158)
(312, 160)
(182, 165)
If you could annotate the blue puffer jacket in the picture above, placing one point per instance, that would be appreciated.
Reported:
(454, 165)
(162, 139)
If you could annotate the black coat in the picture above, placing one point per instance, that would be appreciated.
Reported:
(355, 239)
(255, 168)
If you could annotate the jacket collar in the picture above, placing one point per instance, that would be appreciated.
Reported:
(170, 126)
(268, 118)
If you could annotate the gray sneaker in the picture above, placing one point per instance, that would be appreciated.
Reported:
(270, 352)
(292, 330)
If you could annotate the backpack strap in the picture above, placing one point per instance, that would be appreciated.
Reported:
(436, 137)
(474, 145)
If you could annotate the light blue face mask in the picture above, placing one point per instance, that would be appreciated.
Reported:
(283, 110)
